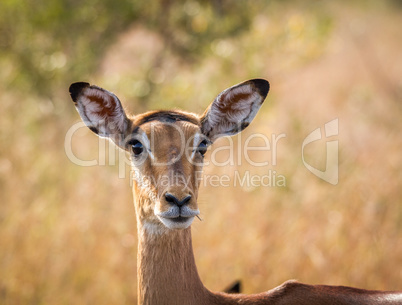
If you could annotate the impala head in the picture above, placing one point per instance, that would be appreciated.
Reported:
(167, 147)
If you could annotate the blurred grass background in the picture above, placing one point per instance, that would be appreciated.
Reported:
(68, 233)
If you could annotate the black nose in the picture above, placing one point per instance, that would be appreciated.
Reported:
(173, 200)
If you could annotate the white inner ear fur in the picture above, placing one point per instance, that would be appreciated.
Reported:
(102, 109)
(236, 110)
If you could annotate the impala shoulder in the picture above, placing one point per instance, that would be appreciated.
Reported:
(292, 292)
(290, 285)
(287, 289)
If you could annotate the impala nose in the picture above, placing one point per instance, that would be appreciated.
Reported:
(174, 200)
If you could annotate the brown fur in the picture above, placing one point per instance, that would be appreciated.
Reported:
(167, 274)
(104, 111)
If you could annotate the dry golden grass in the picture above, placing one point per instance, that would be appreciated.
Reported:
(68, 233)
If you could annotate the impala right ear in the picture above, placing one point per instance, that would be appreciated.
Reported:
(100, 110)
(234, 109)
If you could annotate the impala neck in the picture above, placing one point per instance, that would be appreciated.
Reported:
(166, 268)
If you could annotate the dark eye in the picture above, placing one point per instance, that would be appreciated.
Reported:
(202, 148)
(137, 147)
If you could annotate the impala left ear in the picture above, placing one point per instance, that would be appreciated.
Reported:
(100, 110)
(234, 109)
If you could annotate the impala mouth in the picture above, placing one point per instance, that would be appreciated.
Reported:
(180, 219)
(177, 217)
(177, 212)
(179, 222)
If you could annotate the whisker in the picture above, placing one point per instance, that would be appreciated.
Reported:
(199, 218)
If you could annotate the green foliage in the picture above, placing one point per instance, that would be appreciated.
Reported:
(50, 42)
(45, 42)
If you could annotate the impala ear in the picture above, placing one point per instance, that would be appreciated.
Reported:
(100, 110)
(234, 109)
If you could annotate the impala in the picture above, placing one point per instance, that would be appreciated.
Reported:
(167, 149)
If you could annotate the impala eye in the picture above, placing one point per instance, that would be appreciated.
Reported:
(202, 148)
(137, 147)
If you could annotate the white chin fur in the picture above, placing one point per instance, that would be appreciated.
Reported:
(171, 224)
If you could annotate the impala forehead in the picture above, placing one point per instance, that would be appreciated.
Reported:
(163, 136)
